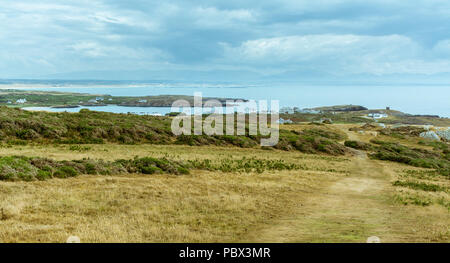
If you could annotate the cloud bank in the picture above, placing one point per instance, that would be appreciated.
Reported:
(332, 37)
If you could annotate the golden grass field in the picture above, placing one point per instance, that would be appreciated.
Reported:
(332, 199)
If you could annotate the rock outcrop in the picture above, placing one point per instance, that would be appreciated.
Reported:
(444, 134)
(430, 135)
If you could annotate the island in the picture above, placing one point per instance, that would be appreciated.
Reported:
(26, 98)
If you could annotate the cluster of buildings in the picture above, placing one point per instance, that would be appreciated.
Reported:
(292, 110)
(377, 115)
(283, 121)
(96, 100)
(19, 101)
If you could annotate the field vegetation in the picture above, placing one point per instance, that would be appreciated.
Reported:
(126, 178)
(67, 99)
(34, 168)
(19, 127)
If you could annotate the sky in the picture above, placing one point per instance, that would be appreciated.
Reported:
(282, 38)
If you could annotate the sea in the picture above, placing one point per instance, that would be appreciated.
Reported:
(413, 99)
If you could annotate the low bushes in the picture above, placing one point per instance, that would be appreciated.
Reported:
(16, 168)
(438, 159)
(149, 165)
(358, 145)
(84, 127)
(243, 165)
(19, 127)
(412, 156)
(312, 141)
(28, 169)
(420, 186)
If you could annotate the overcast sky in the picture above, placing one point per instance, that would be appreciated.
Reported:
(332, 36)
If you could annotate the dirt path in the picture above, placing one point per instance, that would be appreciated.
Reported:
(349, 209)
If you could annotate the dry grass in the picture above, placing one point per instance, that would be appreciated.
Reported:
(333, 199)
(355, 207)
(111, 152)
(203, 207)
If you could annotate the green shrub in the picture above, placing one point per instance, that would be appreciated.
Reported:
(411, 156)
(150, 170)
(182, 170)
(43, 175)
(90, 168)
(420, 186)
(358, 145)
(65, 172)
(415, 200)
(444, 171)
(27, 169)
(79, 148)
(243, 165)
(17, 142)
(16, 168)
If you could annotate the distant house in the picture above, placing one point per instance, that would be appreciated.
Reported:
(377, 115)
(92, 101)
(99, 99)
(21, 101)
(9, 102)
(142, 101)
(283, 121)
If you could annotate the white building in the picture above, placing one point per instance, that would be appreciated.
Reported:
(21, 101)
(283, 121)
(142, 101)
(377, 115)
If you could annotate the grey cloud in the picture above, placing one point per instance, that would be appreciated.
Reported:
(388, 36)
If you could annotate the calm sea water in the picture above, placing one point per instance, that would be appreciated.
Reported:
(156, 111)
(411, 99)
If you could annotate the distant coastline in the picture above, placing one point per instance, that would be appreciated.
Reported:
(414, 99)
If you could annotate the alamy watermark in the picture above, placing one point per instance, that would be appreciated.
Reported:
(228, 118)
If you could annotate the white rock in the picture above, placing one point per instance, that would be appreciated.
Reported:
(430, 135)
(73, 239)
(373, 239)
(444, 134)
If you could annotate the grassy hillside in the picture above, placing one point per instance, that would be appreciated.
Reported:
(224, 198)
(341, 108)
(88, 127)
(126, 178)
(342, 114)
(60, 99)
